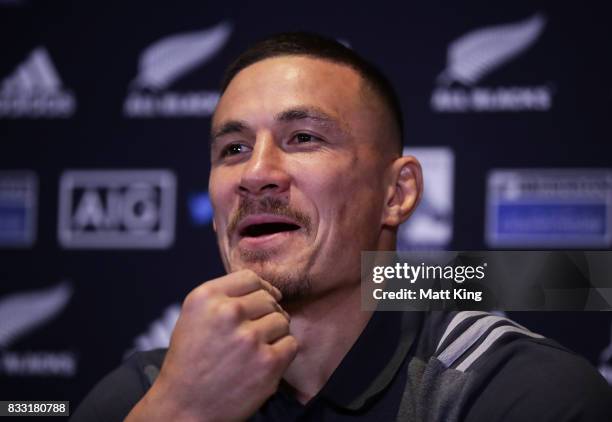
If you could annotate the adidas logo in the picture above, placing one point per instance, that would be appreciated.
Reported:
(34, 90)
(166, 61)
(473, 56)
(159, 332)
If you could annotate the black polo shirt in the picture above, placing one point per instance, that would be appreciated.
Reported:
(367, 385)
(415, 367)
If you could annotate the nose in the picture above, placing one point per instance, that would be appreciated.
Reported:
(265, 171)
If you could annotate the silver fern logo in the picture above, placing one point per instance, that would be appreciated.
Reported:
(475, 55)
(166, 61)
(34, 90)
(21, 314)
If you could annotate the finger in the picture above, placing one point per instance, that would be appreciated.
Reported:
(286, 349)
(270, 327)
(237, 284)
(274, 291)
(258, 304)
(244, 282)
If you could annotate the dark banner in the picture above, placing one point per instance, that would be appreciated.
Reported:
(105, 218)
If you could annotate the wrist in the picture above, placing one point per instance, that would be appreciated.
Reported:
(156, 405)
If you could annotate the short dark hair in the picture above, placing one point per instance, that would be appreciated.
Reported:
(314, 45)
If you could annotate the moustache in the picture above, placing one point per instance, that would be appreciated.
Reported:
(267, 205)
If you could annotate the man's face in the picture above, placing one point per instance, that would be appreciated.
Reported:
(297, 175)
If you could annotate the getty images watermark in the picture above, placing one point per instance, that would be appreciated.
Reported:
(487, 280)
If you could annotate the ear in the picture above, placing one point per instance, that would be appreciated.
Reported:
(214, 225)
(404, 190)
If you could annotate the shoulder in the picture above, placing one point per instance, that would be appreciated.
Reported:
(503, 371)
(113, 397)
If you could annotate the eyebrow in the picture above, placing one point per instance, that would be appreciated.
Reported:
(311, 113)
(232, 126)
(305, 113)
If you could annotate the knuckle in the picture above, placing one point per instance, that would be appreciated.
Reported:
(267, 360)
(198, 296)
(229, 311)
(195, 298)
(247, 339)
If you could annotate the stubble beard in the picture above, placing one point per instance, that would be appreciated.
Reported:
(295, 285)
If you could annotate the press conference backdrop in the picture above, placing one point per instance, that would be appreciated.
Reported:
(105, 221)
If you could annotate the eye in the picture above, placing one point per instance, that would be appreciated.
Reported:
(304, 137)
(232, 149)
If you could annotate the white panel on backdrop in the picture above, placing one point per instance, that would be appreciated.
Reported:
(549, 208)
(117, 209)
(431, 225)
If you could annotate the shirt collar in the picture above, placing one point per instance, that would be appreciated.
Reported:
(373, 360)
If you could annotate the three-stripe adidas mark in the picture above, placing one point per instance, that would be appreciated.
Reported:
(470, 334)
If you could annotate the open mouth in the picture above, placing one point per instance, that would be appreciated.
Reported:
(264, 229)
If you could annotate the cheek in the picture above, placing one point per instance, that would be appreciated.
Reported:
(220, 193)
(345, 196)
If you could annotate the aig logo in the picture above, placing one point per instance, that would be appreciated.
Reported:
(117, 209)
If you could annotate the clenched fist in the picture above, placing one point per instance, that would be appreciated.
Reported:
(229, 350)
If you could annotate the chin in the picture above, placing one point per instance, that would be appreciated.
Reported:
(294, 287)
(294, 283)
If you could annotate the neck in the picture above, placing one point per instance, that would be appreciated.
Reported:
(325, 329)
